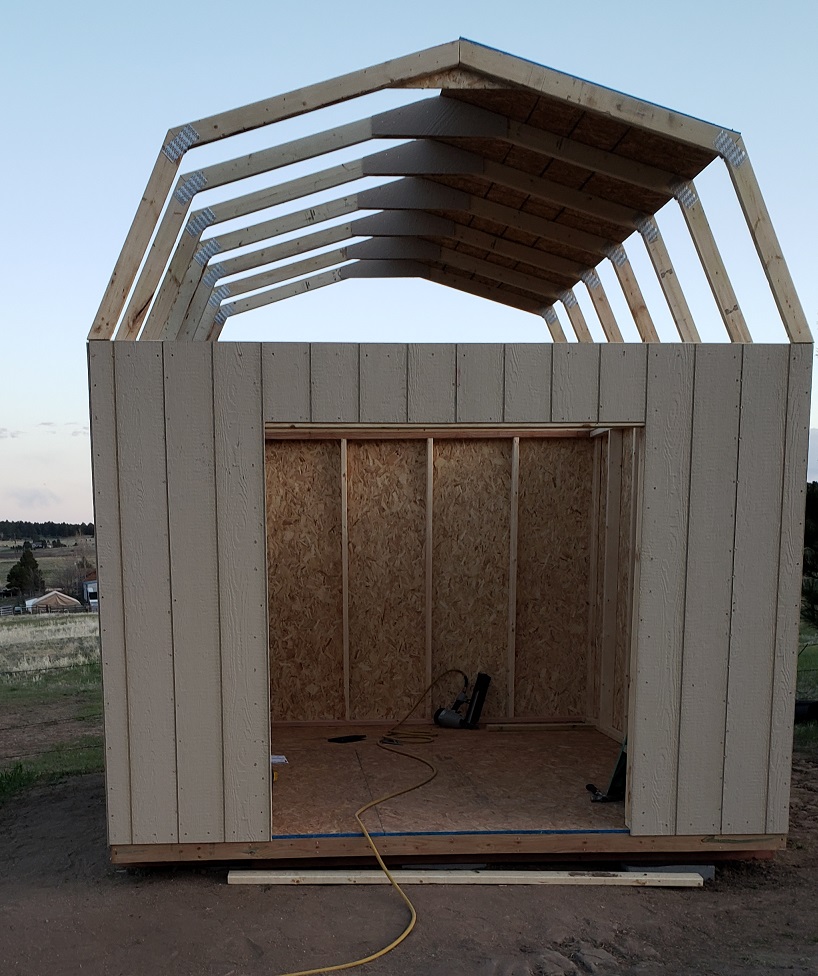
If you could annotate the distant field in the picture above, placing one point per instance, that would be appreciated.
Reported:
(53, 641)
(54, 563)
(50, 699)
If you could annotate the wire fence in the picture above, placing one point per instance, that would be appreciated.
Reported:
(18, 611)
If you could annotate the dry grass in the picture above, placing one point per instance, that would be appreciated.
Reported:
(33, 643)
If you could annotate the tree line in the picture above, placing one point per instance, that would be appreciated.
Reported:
(44, 530)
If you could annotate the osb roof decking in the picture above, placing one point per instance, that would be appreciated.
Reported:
(514, 185)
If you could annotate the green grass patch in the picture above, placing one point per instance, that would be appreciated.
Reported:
(807, 680)
(82, 682)
(805, 739)
(84, 755)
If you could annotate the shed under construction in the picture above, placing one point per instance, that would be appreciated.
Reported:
(295, 540)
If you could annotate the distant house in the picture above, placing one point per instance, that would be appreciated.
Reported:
(90, 588)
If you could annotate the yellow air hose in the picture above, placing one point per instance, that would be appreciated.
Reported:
(394, 737)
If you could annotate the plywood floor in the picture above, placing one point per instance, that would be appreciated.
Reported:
(487, 780)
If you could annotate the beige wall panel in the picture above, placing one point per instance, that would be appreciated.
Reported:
(655, 689)
(286, 380)
(789, 586)
(334, 382)
(624, 587)
(527, 383)
(432, 369)
(472, 484)
(383, 383)
(709, 587)
(575, 383)
(622, 377)
(555, 508)
(146, 571)
(111, 610)
(304, 566)
(480, 378)
(239, 440)
(610, 579)
(755, 588)
(596, 556)
(387, 600)
(195, 589)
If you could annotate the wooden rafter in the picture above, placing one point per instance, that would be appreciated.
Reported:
(473, 201)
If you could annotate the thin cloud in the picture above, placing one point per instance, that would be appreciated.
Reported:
(33, 498)
(5, 432)
(82, 432)
(47, 423)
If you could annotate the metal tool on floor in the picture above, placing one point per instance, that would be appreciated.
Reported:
(617, 786)
(450, 718)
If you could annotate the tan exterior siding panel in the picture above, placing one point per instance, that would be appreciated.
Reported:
(191, 472)
(239, 437)
(146, 568)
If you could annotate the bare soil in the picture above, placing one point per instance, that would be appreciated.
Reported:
(65, 910)
(26, 731)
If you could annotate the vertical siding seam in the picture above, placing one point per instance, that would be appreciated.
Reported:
(114, 348)
(503, 381)
(213, 355)
(309, 381)
(732, 583)
(456, 382)
(687, 574)
(170, 595)
(551, 390)
(406, 379)
(268, 792)
(598, 382)
(778, 576)
(358, 348)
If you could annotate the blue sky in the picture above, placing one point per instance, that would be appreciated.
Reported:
(91, 88)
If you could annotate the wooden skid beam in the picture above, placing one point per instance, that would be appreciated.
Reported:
(448, 844)
(407, 876)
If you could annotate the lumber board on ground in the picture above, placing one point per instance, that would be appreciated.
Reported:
(408, 876)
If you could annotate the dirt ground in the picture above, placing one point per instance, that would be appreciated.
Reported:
(65, 910)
